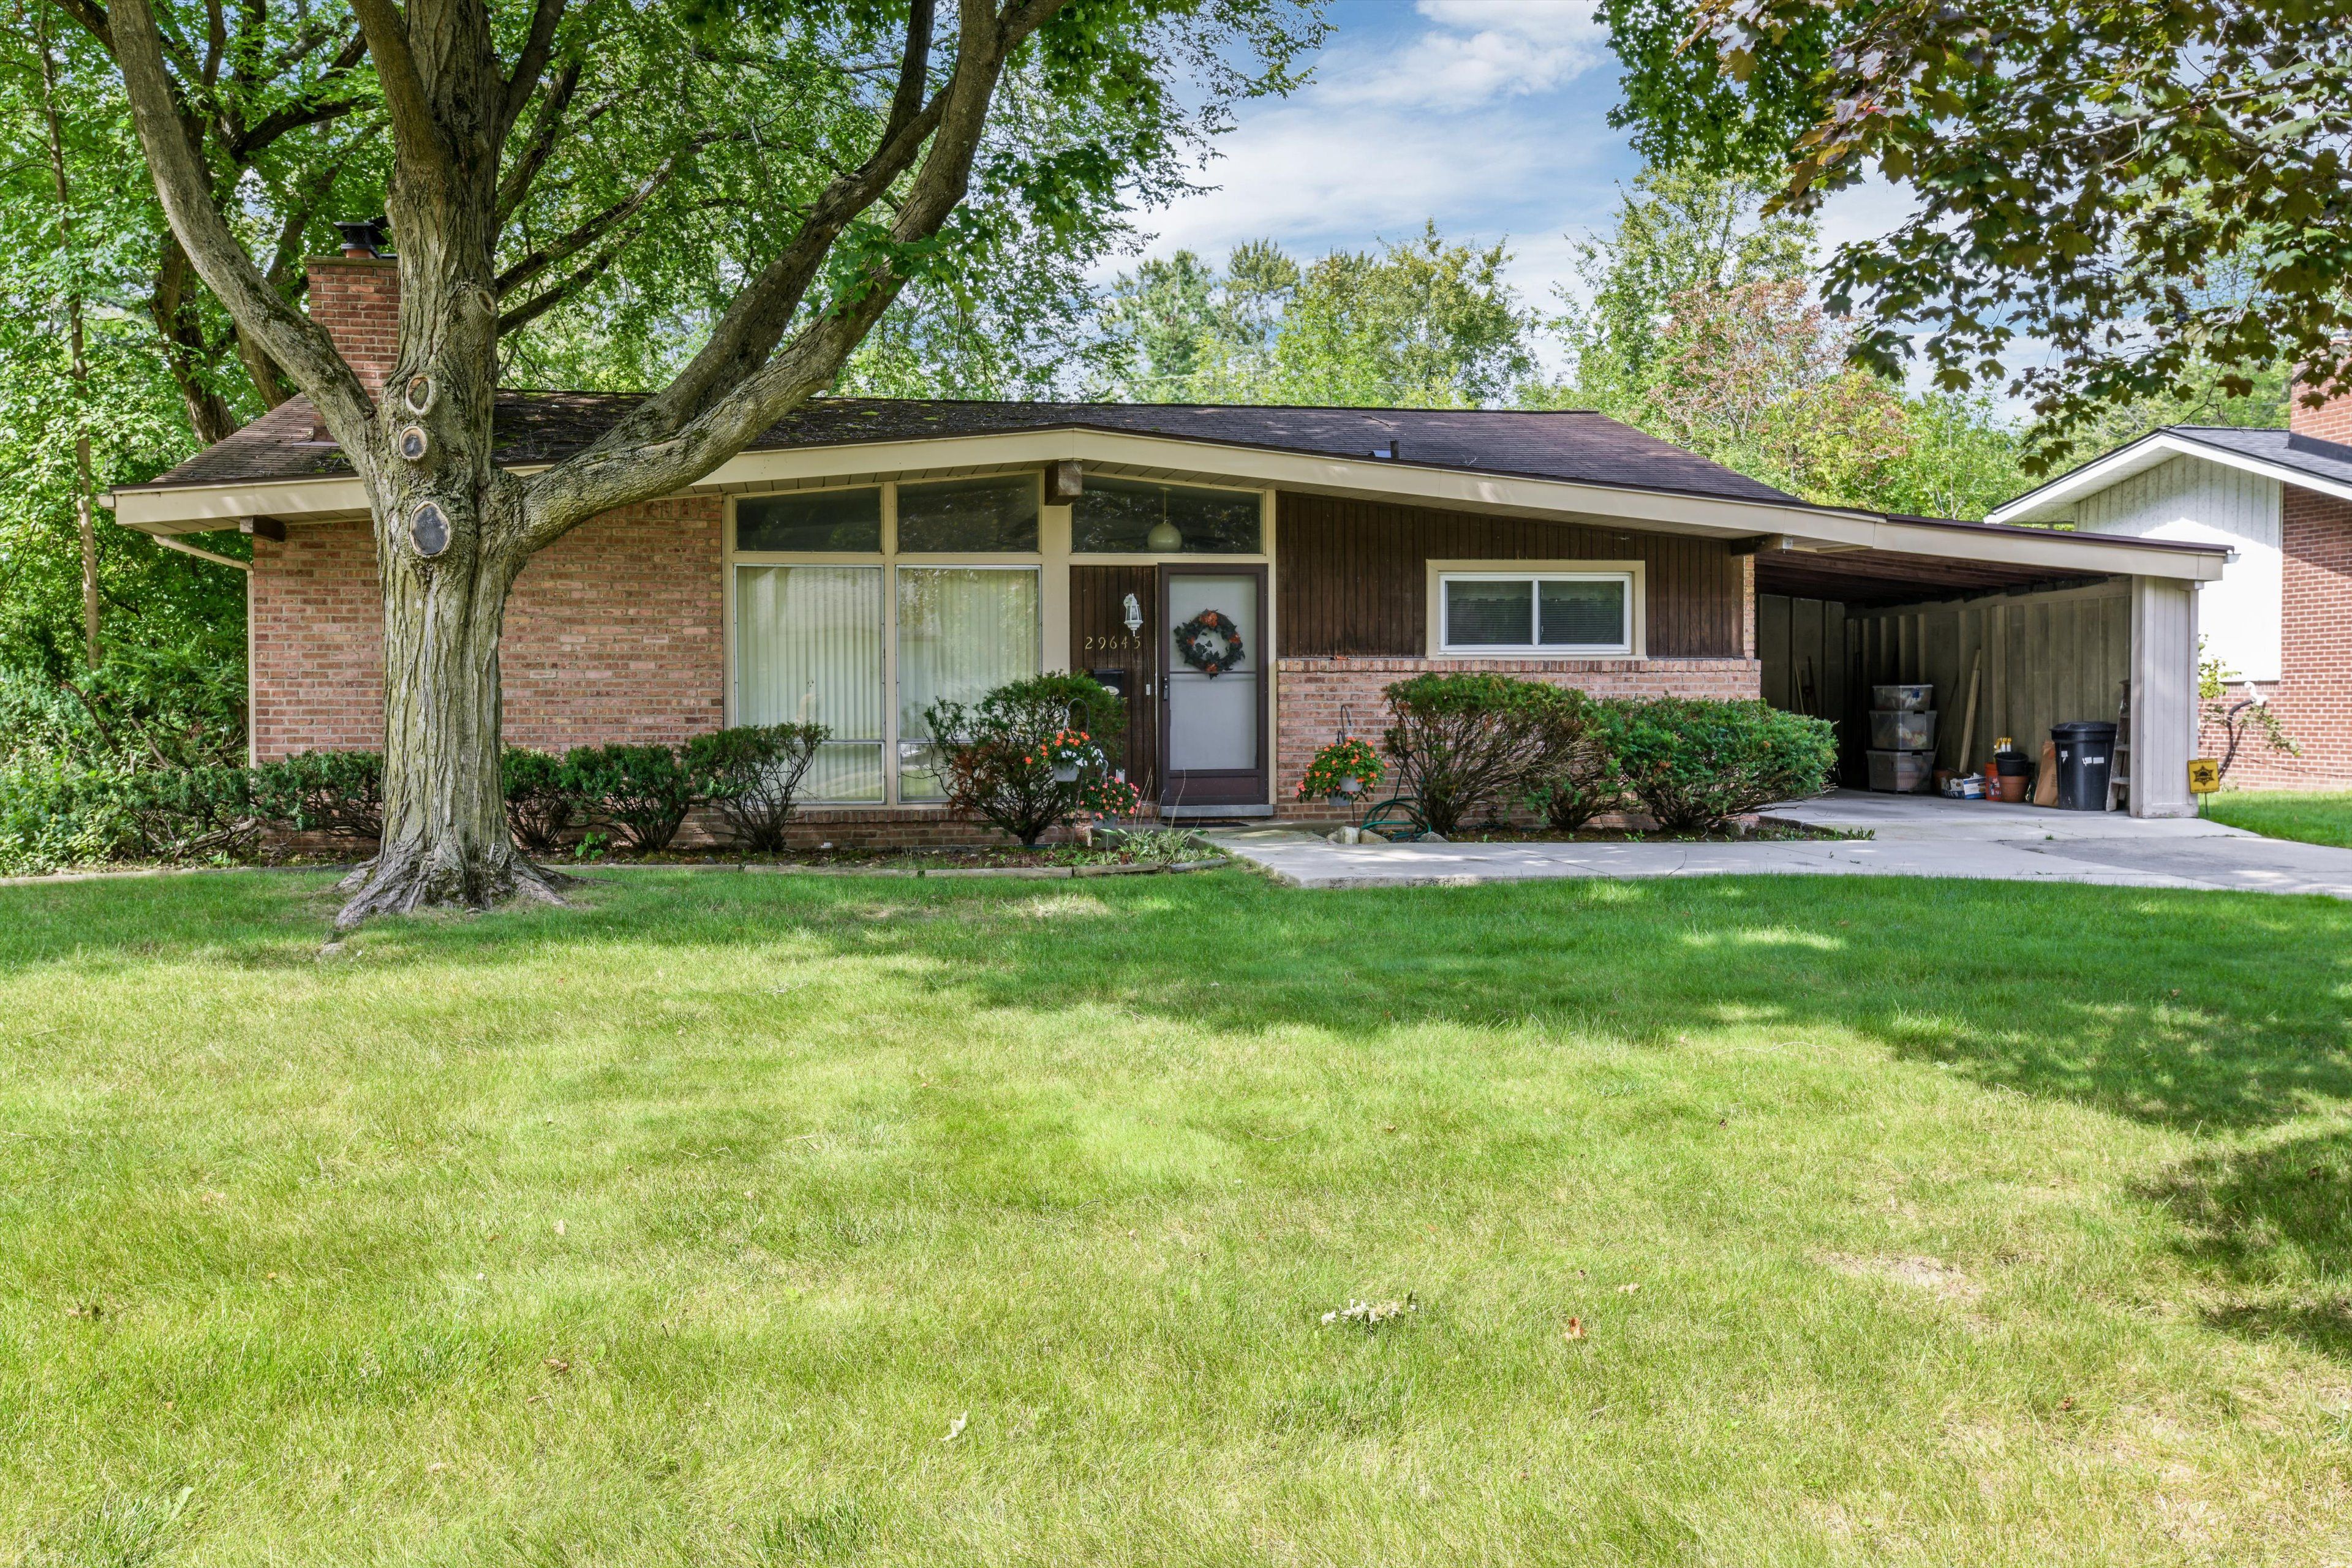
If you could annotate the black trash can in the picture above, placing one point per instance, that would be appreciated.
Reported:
(2086, 756)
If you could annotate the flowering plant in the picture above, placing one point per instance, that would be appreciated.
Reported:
(1107, 796)
(1071, 748)
(1340, 764)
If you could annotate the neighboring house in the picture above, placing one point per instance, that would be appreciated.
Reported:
(2281, 618)
(864, 557)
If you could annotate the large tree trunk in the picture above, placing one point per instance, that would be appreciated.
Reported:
(446, 839)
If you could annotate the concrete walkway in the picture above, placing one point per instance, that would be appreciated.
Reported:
(1912, 837)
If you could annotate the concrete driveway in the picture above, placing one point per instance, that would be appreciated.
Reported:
(1912, 836)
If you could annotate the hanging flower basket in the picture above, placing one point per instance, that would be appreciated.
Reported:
(1071, 753)
(1345, 770)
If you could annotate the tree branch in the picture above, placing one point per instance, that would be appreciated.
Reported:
(587, 233)
(738, 386)
(546, 131)
(546, 15)
(416, 133)
(290, 338)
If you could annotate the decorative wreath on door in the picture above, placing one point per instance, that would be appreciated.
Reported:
(1210, 642)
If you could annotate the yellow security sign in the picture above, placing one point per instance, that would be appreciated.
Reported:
(2204, 775)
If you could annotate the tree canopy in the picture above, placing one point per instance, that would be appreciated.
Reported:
(2113, 202)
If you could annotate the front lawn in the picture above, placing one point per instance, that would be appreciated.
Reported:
(766, 1218)
(2283, 814)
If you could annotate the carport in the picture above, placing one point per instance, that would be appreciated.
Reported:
(2054, 626)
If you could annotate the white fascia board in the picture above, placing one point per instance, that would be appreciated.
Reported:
(201, 509)
(2110, 554)
(2149, 451)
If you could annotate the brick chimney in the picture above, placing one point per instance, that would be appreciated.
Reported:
(2331, 421)
(356, 297)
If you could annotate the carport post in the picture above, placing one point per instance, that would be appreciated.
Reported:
(2163, 695)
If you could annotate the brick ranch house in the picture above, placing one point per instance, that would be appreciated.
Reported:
(866, 556)
(2281, 618)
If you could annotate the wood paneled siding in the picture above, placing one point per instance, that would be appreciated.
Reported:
(1099, 640)
(1352, 576)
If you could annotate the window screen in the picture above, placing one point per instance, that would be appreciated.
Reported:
(1490, 611)
(1120, 517)
(848, 522)
(997, 514)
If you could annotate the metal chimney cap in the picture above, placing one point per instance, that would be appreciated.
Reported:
(364, 237)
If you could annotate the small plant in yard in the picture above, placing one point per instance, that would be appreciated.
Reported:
(1693, 764)
(336, 793)
(1029, 755)
(642, 793)
(1574, 777)
(1372, 1314)
(1347, 769)
(1465, 743)
(753, 775)
(2239, 718)
(542, 798)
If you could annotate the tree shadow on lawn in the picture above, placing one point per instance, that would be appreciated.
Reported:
(2219, 1012)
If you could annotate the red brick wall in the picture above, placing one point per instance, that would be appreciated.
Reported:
(1312, 691)
(2332, 421)
(357, 299)
(2313, 698)
(613, 634)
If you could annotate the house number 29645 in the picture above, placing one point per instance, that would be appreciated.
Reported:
(1114, 643)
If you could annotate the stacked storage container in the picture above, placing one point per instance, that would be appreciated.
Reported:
(1902, 738)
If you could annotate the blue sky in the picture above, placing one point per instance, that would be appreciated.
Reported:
(1490, 116)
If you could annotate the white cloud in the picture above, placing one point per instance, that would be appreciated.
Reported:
(1482, 49)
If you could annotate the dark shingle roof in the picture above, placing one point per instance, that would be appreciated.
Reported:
(2321, 459)
(1578, 446)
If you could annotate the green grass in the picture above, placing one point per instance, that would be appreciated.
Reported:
(2283, 814)
(1908, 1223)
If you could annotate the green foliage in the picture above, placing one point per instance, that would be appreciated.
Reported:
(1574, 777)
(1465, 743)
(335, 792)
(2140, 194)
(1418, 323)
(1693, 764)
(643, 793)
(542, 795)
(2237, 719)
(999, 755)
(752, 777)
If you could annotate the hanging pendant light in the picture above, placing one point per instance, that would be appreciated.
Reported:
(1165, 537)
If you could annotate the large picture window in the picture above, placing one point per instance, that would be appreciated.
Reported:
(962, 632)
(1545, 613)
(808, 649)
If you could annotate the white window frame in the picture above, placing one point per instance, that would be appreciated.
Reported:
(1628, 573)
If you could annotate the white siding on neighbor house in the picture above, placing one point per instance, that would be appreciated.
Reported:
(2200, 502)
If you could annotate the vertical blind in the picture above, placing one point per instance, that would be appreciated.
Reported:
(962, 630)
(808, 646)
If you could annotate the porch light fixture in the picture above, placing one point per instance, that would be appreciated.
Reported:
(1134, 618)
(1165, 536)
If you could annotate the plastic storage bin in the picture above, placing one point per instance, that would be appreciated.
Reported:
(1903, 698)
(1902, 731)
(1902, 772)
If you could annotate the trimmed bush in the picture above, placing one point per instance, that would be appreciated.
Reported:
(642, 793)
(752, 777)
(335, 792)
(998, 754)
(1467, 743)
(187, 814)
(1575, 777)
(542, 798)
(1694, 764)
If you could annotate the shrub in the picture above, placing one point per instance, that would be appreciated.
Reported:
(1574, 777)
(752, 777)
(337, 793)
(1694, 764)
(185, 814)
(998, 754)
(642, 793)
(542, 796)
(1465, 741)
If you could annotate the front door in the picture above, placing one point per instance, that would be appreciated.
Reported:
(1213, 650)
